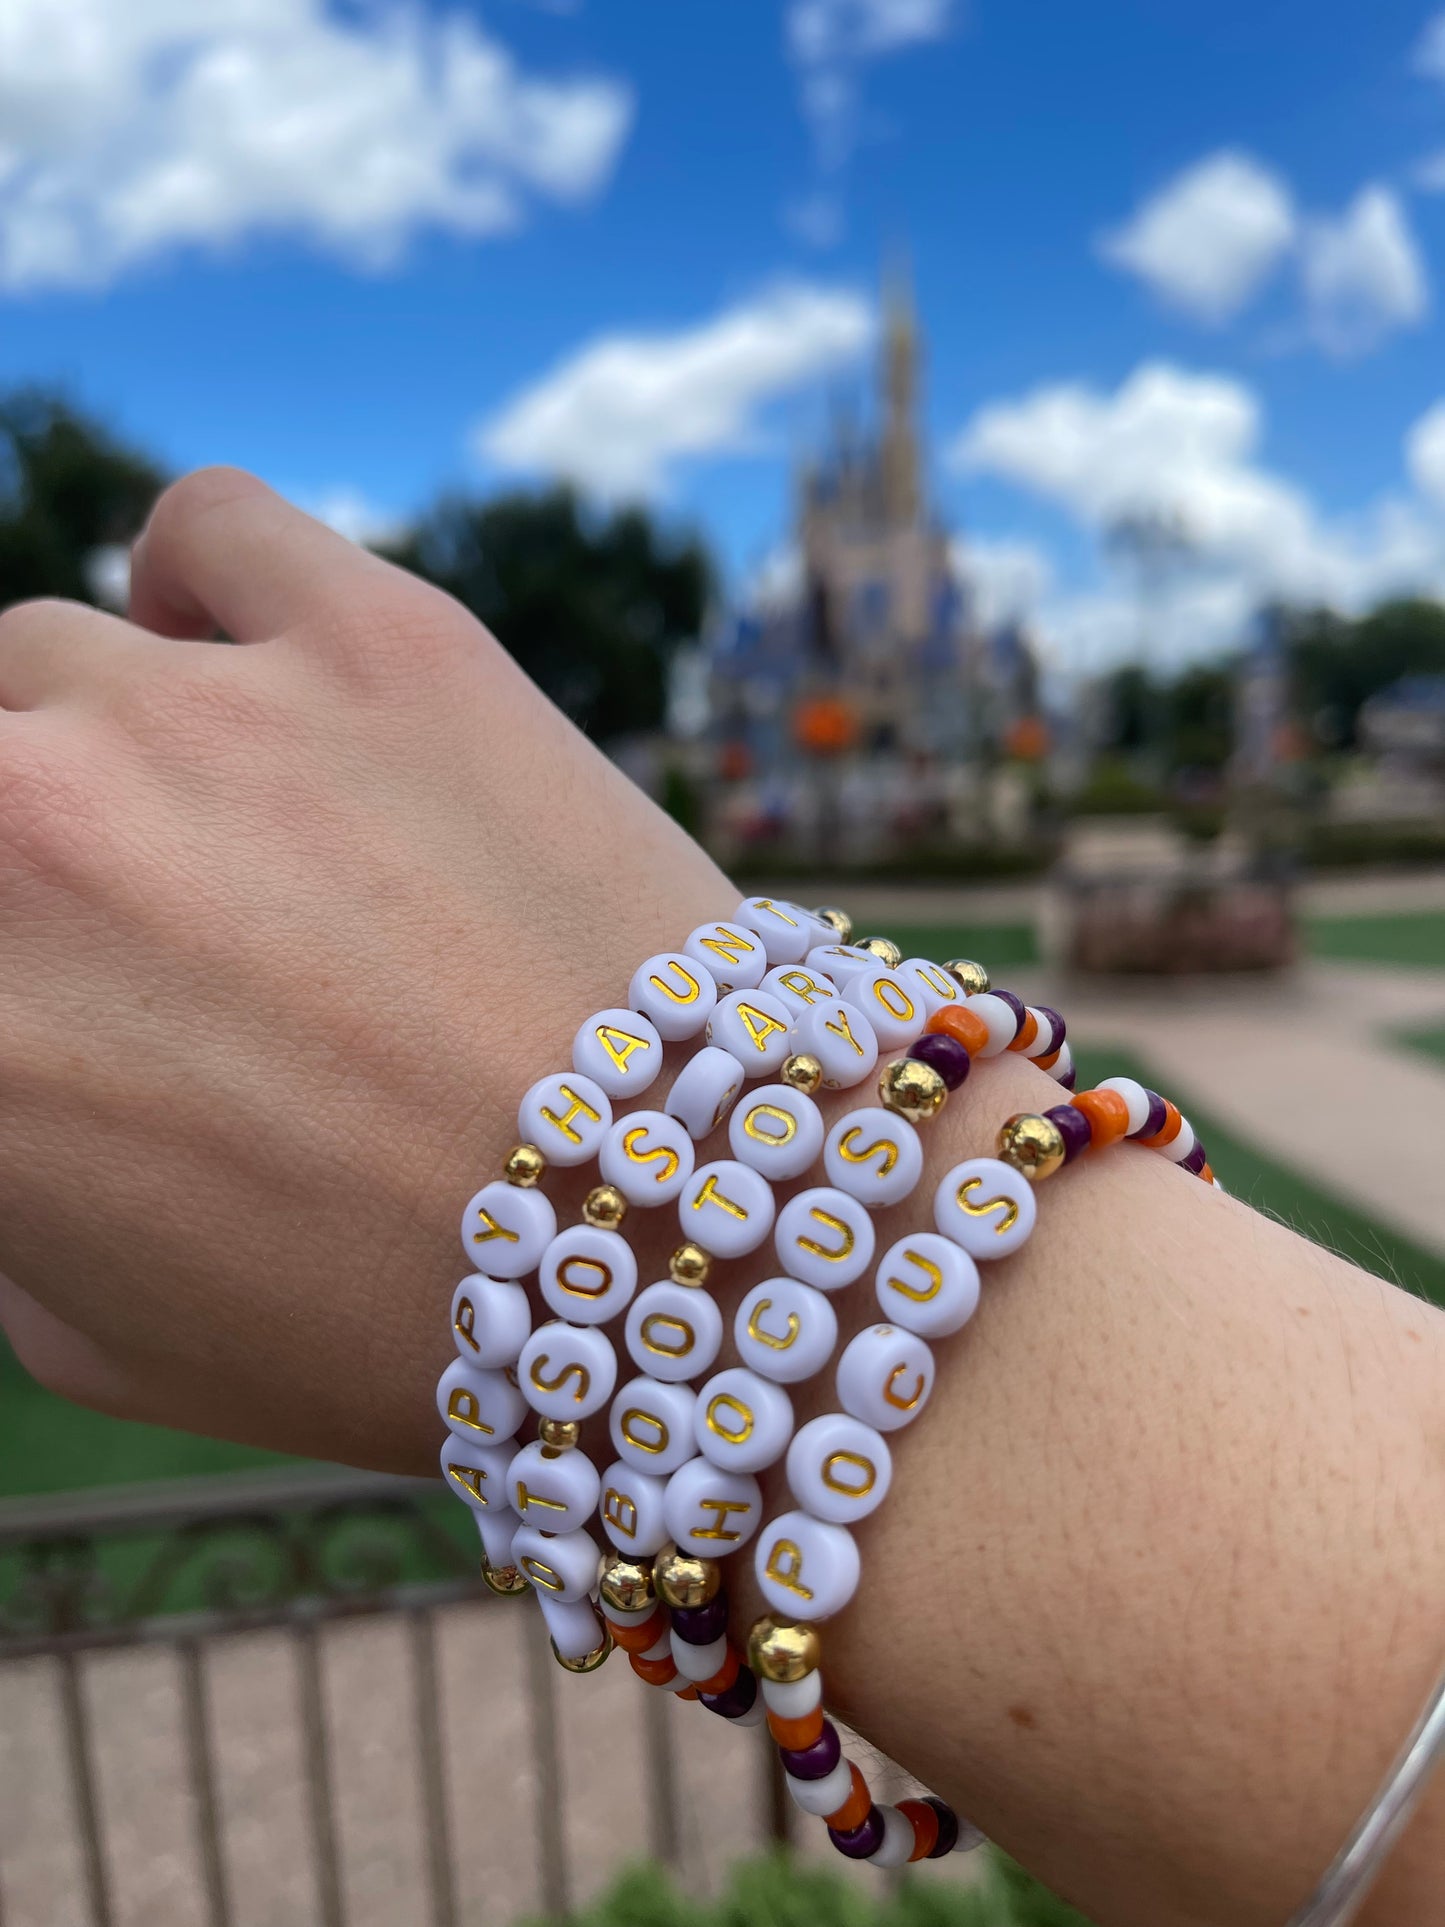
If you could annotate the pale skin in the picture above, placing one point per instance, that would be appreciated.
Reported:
(286, 929)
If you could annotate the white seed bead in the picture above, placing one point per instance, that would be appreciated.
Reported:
(776, 1130)
(1060, 1069)
(566, 1116)
(497, 1528)
(710, 1512)
(896, 1847)
(785, 1330)
(554, 1490)
(928, 1284)
(885, 1376)
(840, 961)
(484, 1407)
(825, 1796)
(630, 1509)
(799, 987)
(895, 1010)
(839, 1469)
(491, 1321)
(675, 992)
(874, 1155)
(843, 1041)
(635, 1616)
(969, 1837)
(620, 1049)
(742, 1422)
(648, 1156)
(567, 1371)
(704, 1089)
(506, 1228)
(477, 1473)
(986, 1206)
(754, 1025)
(673, 1332)
(651, 1425)
(1135, 1097)
(587, 1275)
(1179, 1148)
(788, 933)
(661, 1648)
(698, 1662)
(793, 1699)
(734, 957)
(726, 1208)
(825, 1238)
(806, 1569)
(1001, 1023)
(930, 982)
(564, 1566)
(571, 1623)
(1043, 1035)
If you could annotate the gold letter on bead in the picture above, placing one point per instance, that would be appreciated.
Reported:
(833, 1224)
(732, 949)
(638, 1135)
(726, 1403)
(891, 1397)
(463, 1407)
(574, 1370)
(576, 1107)
(895, 999)
(465, 1323)
(526, 1497)
(577, 1262)
(541, 1574)
(941, 981)
(849, 1490)
(755, 1327)
(720, 1508)
(709, 1193)
(635, 1416)
(691, 988)
(667, 1321)
(1011, 1211)
(759, 1026)
(883, 1144)
(619, 1044)
(619, 1512)
(471, 1478)
(934, 1275)
(493, 1230)
(788, 1124)
(785, 1565)
(838, 1024)
(804, 985)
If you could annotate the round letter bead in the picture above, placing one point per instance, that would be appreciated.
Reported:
(1135, 1097)
(709, 1512)
(927, 1284)
(825, 1238)
(620, 1050)
(985, 1206)
(673, 1332)
(734, 957)
(885, 1376)
(554, 1490)
(648, 1156)
(477, 1473)
(928, 981)
(726, 1208)
(873, 1155)
(776, 1130)
(895, 1011)
(754, 1026)
(566, 1116)
(491, 1321)
(807, 1570)
(497, 1529)
(704, 1089)
(587, 1274)
(651, 1425)
(785, 1331)
(564, 1567)
(840, 961)
(843, 1041)
(505, 1229)
(788, 933)
(800, 987)
(742, 1422)
(481, 1407)
(674, 992)
(1000, 1020)
(631, 1510)
(567, 1371)
(839, 1469)
(571, 1623)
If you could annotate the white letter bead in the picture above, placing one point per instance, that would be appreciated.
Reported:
(896, 1848)
(710, 1512)
(573, 1627)
(793, 1699)
(785, 1331)
(620, 1049)
(930, 981)
(985, 1206)
(497, 1528)
(806, 1570)
(675, 992)
(927, 1284)
(800, 987)
(874, 1155)
(1003, 1026)
(631, 1510)
(491, 1321)
(477, 1473)
(698, 1662)
(839, 1469)
(885, 1376)
(754, 1025)
(648, 1156)
(566, 1116)
(788, 933)
(481, 1407)
(564, 1567)
(842, 1040)
(734, 957)
(777, 1130)
(840, 961)
(895, 1011)
(1137, 1099)
(506, 1228)
(726, 1208)
(651, 1425)
(587, 1274)
(825, 1238)
(742, 1423)
(825, 1796)
(567, 1371)
(673, 1331)
(554, 1490)
(704, 1089)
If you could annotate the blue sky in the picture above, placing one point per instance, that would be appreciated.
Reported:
(1176, 262)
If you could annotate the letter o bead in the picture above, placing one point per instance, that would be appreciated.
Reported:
(675, 993)
(895, 1009)
(673, 1332)
(741, 1422)
(785, 1331)
(651, 1425)
(986, 1206)
(477, 1473)
(704, 1089)
(885, 1376)
(554, 1490)
(564, 1567)
(505, 1229)
(776, 1130)
(630, 1509)
(806, 1568)
(483, 1408)
(842, 1040)
(587, 1274)
(620, 1050)
(754, 1026)
(927, 1284)
(709, 1512)
(648, 1156)
(839, 1469)
(726, 1208)
(491, 1321)
(567, 1371)
(873, 1155)
(566, 1116)
(824, 1238)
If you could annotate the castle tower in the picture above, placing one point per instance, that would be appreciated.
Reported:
(902, 493)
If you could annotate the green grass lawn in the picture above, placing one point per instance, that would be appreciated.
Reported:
(1416, 937)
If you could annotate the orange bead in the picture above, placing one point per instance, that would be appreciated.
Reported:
(798, 1733)
(1028, 1031)
(1207, 1173)
(855, 1809)
(657, 1672)
(1173, 1124)
(958, 1021)
(1049, 1059)
(723, 1678)
(637, 1639)
(1108, 1116)
(687, 1693)
(924, 1821)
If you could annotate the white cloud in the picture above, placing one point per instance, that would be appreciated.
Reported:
(1430, 49)
(1209, 238)
(1425, 453)
(617, 416)
(1010, 579)
(1428, 174)
(129, 127)
(353, 514)
(831, 41)
(1363, 273)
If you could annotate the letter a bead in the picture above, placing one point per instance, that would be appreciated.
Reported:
(754, 1025)
(985, 1206)
(620, 1049)
(806, 1569)
(477, 1473)
(505, 1229)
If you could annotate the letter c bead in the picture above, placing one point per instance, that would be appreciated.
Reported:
(885, 1376)
(839, 1469)
(785, 1331)
(806, 1569)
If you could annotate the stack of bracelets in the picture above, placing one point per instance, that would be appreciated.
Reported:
(779, 993)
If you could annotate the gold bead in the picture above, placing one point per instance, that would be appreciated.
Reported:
(1033, 1145)
(589, 1662)
(971, 978)
(838, 921)
(684, 1580)
(912, 1089)
(627, 1584)
(525, 1165)
(689, 1265)
(605, 1207)
(884, 949)
(783, 1650)
(802, 1072)
(559, 1434)
(505, 1581)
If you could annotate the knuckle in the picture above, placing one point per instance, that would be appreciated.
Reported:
(197, 496)
(48, 805)
(202, 705)
(406, 639)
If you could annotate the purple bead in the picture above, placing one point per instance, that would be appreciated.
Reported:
(861, 1843)
(1073, 1128)
(1154, 1123)
(945, 1054)
(947, 1828)
(700, 1625)
(814, 1762)
(734, 1700)
(1061, 1029)
(1196, 1160)
(1069, 1079)
(1016, 1005)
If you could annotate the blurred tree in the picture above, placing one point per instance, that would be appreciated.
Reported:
(1200, 717)
(1337, 664)
(591, 607)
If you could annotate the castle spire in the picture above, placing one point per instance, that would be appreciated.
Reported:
(899, 380)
